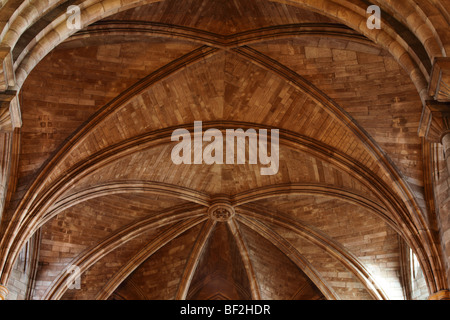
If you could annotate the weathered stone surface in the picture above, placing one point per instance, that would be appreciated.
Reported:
(87, 178)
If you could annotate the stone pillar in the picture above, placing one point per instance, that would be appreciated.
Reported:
(446, 144)
(441, 295)
(3, 292)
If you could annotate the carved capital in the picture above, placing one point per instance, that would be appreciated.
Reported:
(7, 75)
(439, 87)
(221, 210)
(3, 292)
(435, 122)
(441, 295)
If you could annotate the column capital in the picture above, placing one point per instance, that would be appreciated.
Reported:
(435, 121)
(3, 292)
(441, 295)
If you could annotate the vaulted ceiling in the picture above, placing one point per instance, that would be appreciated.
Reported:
(95, 184)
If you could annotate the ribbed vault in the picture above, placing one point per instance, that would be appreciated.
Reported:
(94, 180)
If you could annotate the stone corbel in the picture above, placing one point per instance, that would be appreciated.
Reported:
(439, 88)
(435, 122)
(3, 292)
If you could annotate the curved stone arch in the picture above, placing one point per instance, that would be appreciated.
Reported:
(351, 263)
(161, 137)
(241, 199)
(310, 148)
(28, 13)
(96, 10)
(170, 69)
(410, 29)
(23, 13)
(184, 220)
(189, 270)
(31, 12)
(297, 142)
(407, 201)
(77, 137)
(11, 9)
(321, 240)
(158, 188)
